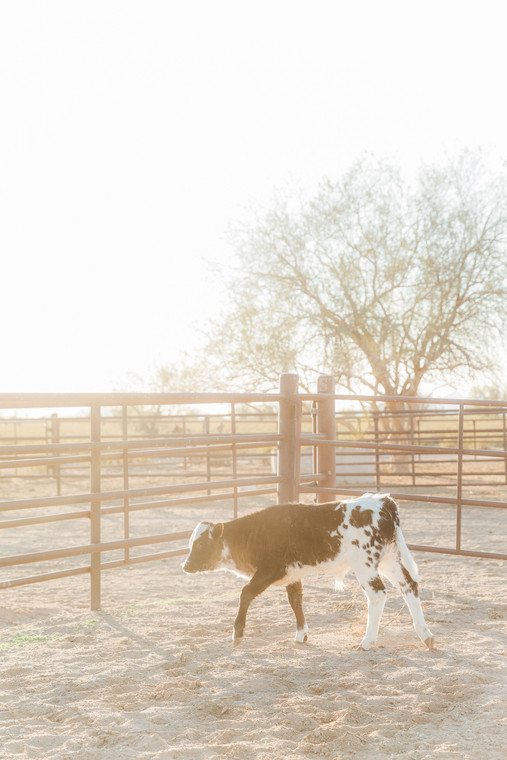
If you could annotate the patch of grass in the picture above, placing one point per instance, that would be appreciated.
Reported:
(37, 637)
(24, 639)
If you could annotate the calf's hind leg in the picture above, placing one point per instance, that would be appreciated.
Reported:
(295, 597)
(376, 595)
(393, 568)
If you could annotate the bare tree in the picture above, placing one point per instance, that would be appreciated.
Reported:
(378, 282)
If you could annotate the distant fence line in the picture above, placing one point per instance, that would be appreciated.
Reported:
(484, 428)
(305, 448)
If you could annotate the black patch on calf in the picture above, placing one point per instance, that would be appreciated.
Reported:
(388, 520)
(360, 517)
(412, 584)
(377, 584)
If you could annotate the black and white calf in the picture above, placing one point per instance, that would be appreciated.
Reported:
(283, 543)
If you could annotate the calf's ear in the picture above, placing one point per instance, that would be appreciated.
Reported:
(217, 530)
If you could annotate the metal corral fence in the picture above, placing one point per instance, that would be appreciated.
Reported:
(484, 428)
(200, 448)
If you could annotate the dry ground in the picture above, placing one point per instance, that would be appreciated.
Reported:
(155, 675)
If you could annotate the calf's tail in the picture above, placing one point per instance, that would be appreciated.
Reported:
(406, 557)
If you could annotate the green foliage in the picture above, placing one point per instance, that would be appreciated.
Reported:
(378, 282)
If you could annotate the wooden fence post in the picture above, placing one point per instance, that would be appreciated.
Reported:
(504, 444)
(377, 454)
(207, 430)
(95, 560)
(326, 426)
(459, 475)
(289, 424)
(55, 438)
(234, 459)
(126, 501)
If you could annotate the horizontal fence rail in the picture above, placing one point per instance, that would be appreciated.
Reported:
(113, 457)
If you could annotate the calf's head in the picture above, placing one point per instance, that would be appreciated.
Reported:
(205, 545)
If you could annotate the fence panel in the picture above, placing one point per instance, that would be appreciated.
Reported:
(394, 455)
(118, 454)
(121, 461)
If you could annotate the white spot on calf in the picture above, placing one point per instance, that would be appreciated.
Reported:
(227, 564)
(198, 531)
(368, 501)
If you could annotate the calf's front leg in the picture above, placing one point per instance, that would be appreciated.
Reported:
(295, 597)
(258, 584)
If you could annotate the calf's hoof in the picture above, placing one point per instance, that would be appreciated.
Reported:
(365, 646)
(430, 642)
(237, 638)
(301, 636)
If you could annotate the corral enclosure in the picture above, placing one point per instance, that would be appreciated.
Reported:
(153, 673)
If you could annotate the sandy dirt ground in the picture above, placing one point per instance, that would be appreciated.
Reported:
(154, 674)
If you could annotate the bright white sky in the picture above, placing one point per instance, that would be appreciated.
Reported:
(132, 133)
